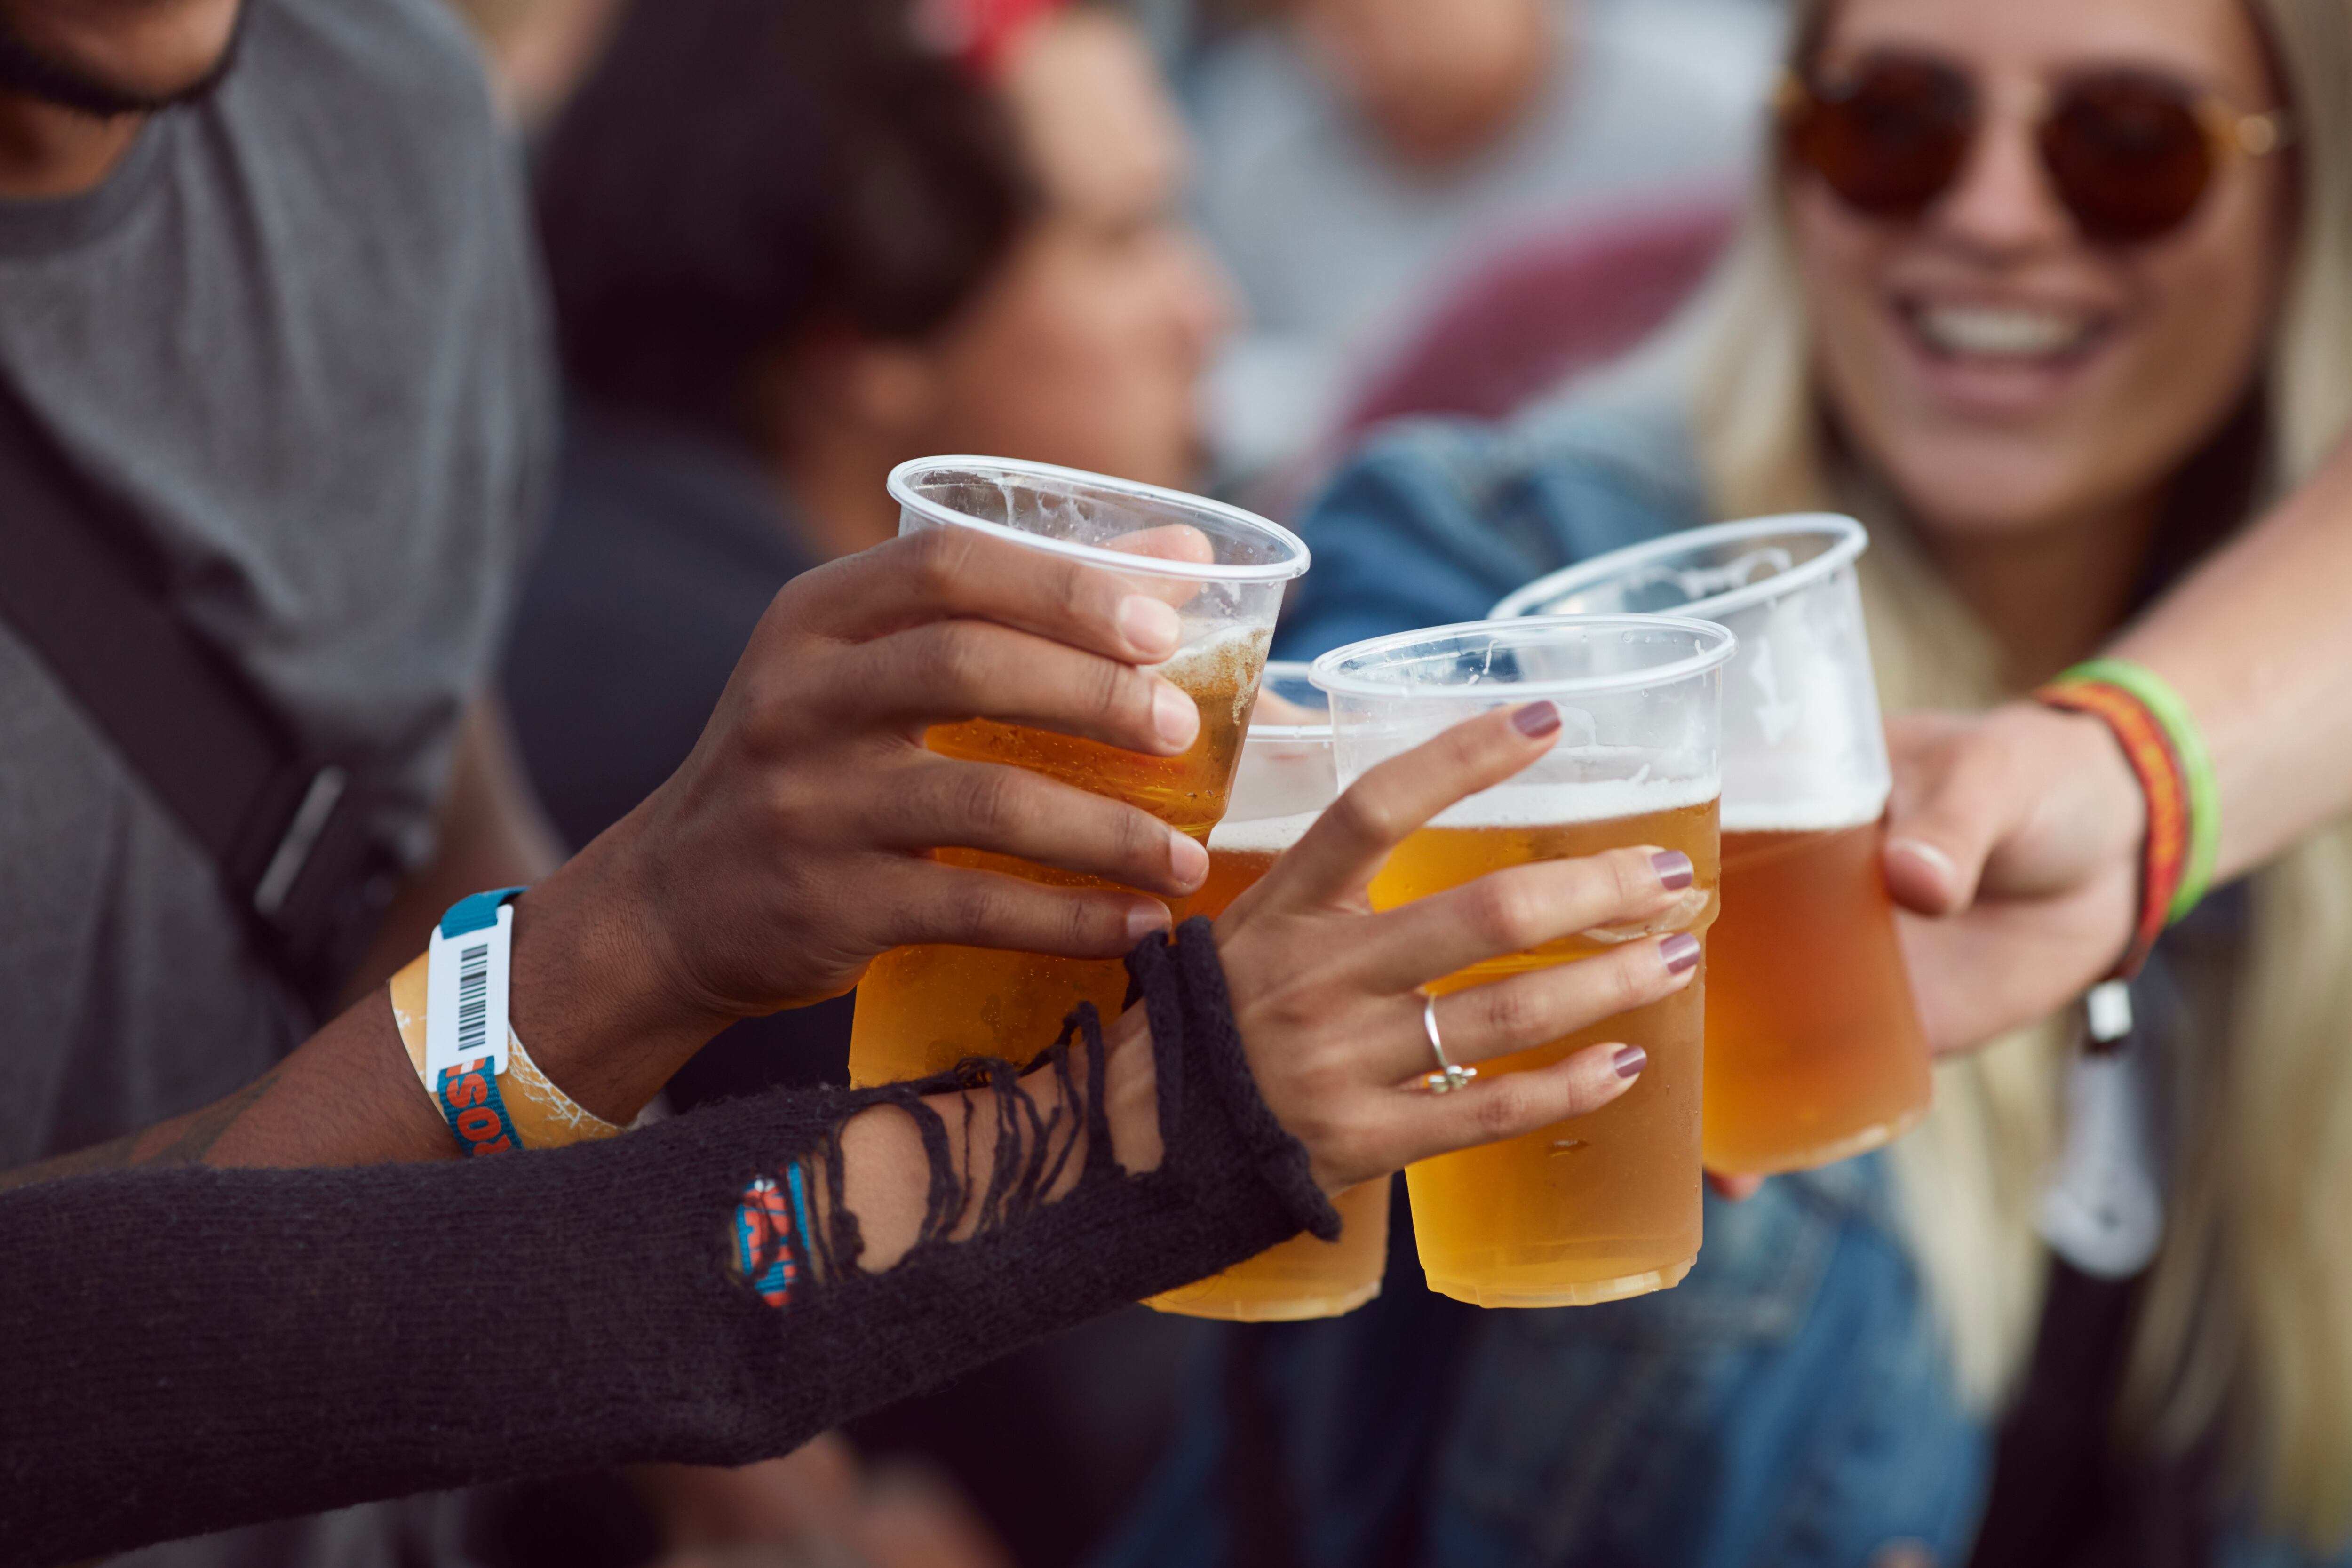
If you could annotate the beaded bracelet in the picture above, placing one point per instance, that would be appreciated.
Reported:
(2161, 743)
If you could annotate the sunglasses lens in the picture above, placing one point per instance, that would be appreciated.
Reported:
(2128, 155)
(1889, 137)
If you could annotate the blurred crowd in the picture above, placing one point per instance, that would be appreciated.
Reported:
(1465, 290)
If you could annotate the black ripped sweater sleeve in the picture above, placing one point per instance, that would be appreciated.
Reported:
(185, 1350)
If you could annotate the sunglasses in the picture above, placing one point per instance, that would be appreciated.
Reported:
(2130, 152)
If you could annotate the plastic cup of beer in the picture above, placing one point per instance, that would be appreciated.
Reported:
(1285, 780)
(1604, 1205)
(1814, 1050)
(922, 1009)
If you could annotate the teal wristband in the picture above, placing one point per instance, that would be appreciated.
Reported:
(2164, 704)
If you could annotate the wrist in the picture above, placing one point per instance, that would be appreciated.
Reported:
(590, 994)
(2110, 808)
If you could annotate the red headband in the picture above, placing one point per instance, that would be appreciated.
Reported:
(979, 33)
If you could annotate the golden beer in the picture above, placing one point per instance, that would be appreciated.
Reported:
(922, 1009)
(1604, 1205)
(1814, 1050)
(1301, 1277)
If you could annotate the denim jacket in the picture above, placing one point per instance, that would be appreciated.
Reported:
(1437, 519)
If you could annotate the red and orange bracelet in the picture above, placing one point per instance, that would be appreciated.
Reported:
(2166, 752)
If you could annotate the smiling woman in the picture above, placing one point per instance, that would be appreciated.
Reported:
(2010, 380)
(2046, 421)
(2054, 297)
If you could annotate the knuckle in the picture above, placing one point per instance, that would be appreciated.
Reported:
(1514, 1014)
(990, 801)
(1625, 986)
(1080, 592)
(1309, 1120)
(939, 560)
(1142, 838)
(1365, 816)
(1632, 879)
(1504, 1110)
(1507, 912)
(979, 906)
(1086, 921)
(948, 661)
(1118, 692)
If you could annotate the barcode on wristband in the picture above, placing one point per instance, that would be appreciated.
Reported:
(465, 996)
(472, 997)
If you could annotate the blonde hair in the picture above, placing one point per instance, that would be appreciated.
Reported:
(2249, 1315)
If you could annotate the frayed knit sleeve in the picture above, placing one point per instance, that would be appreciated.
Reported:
(184, 1350)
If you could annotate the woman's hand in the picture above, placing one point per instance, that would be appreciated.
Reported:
(2018, 834)
(790, 849)
(1327, 993)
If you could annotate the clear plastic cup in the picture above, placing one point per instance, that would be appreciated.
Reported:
(1605, 1206)
(922, 1009)
(1814, 1050)
(1285, 780)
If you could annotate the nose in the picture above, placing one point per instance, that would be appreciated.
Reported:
(2003, 205)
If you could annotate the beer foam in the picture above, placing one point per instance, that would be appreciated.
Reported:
(1232, 650)
(1224, 669)
(1265, 836)
(1798, 816)
(1520, 804)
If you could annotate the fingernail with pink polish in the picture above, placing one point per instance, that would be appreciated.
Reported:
(1679, 951)
(1674, 868)
(1537, 720)
(1629, 1060)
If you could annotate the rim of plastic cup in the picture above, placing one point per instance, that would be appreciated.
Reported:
(1853, 538)
(1717, 645)
(1297, 668)
(901, 489)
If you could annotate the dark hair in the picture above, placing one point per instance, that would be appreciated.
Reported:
(736, 172)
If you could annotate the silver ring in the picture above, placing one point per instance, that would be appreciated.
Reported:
(1447, 1077)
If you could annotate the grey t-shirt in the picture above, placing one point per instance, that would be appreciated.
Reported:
(298, 328)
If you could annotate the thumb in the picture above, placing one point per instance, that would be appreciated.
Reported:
(1943, 818)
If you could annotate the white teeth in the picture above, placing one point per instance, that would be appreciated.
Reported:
(1990, 332)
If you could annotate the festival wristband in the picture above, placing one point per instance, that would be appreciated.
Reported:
(2161, 746)
(492, 1100)
(465, 982)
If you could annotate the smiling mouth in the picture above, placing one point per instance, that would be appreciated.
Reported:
(2003, 334)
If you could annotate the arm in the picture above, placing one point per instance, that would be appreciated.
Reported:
(194, 1348)
(789, 850)
(2258, 642)
(347, 1097)
(2019, 832)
